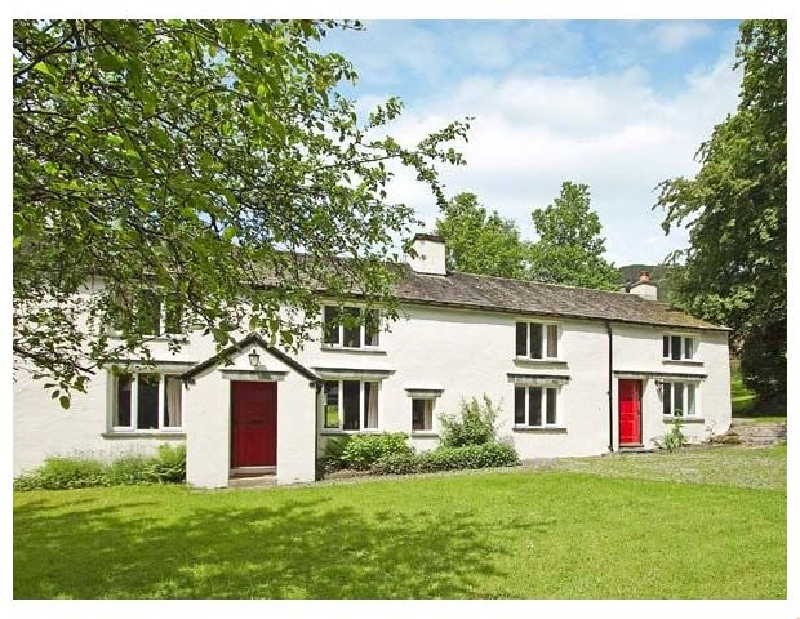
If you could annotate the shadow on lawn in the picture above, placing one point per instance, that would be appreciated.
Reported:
(301, 550)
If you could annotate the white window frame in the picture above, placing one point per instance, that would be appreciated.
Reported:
(361, 409)
(668, 386)
(114, 403)
(684, 337)
(544, 325)
(362, 330)
(559, 420)
(424, 398)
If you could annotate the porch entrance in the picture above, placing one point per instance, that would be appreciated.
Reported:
(630, 412)
(254, 428)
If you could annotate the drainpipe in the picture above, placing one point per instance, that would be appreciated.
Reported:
(610, 386)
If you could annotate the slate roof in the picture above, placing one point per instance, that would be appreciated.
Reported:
(466, 290)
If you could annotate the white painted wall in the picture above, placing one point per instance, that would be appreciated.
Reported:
(465, 353)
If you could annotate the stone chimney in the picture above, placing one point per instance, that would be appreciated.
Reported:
(644, 288)
(430, 254)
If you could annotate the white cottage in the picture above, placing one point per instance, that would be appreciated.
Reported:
(576, 372)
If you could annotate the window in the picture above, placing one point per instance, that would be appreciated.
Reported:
(356, 409)
(346, 335)
(677, 348)
(146, 401)
(151, 316)
(422, 414)
(535, 406)
(679, 399)
(535, 340)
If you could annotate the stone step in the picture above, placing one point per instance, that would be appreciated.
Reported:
(252, 481)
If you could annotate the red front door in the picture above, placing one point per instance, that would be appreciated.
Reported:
(630, 412)
(254, 407)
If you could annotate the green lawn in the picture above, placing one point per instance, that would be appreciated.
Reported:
(522, 534)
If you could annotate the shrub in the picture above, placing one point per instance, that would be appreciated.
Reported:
(169, 466)
(474, 425)
(468, 457)
(63, 474)
(361, 452)
(675, 438)
(332, 456)
(130, 471)
(396, 464)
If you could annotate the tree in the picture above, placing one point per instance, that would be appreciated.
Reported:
(478, 242)
(570, 247)
(734, 271)
(209, 165)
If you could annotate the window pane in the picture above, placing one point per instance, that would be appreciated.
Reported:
(421, 414)
(552, 340)
(352, 335)
(372, 328)
(351, 392)
(535, 406)
(519, 406)
(676, 347)
(536, 341)
(665, 353)
(331, 404)
(147, 408)
(522, 339)
(173, 315)
(370, 405)
(690, 399)
(148, 313)
(688, 349)
(331, 327)
(677, 397)
(172, 402)
(123, 409)
(666, 397)
(551, 406)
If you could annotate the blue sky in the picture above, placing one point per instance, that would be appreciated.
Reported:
(617, 104)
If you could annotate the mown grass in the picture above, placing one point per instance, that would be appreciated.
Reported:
(540, 534)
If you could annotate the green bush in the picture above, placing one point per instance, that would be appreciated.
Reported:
(474, 424)
(64, 474)
(675, 438)
(396, 464)
(468, 457)
(361, 452)
(332, 458)
(169, 465)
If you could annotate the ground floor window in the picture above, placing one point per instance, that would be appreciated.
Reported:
(422, 414)
(536, 406)
(351, 405)
(679, 399)
(146, 401)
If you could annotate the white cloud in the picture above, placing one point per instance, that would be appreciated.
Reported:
(673, 36)
(614, 132)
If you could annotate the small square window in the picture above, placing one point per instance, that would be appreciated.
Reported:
(422, 414)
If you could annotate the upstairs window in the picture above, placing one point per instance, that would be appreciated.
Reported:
(677, 347)
(363, 335)
(146, 401)
(537, 340)
(535, 407)
(153, 316)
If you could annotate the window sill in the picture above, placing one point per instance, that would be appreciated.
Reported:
(671, 419)
(424, 434)
(168, 337)
(685, 362)
(335, 432)
(363, 350)
(134, 434)
(540, 430)
(537, 362)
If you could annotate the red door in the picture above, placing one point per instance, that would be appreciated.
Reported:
(254, 407)
(630, 412)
